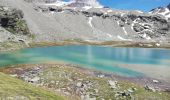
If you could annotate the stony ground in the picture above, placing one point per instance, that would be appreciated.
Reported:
(75, 83)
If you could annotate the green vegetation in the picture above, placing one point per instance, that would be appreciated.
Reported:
(65, 74)
(14, 89)
(74, 81)
(18, 27)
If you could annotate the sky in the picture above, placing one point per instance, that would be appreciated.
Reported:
(143, 5)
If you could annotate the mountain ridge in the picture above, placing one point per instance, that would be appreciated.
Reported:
(164, 11)
(57, 23)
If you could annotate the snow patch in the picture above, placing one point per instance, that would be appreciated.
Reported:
(105, 13)
(90, 21)
(109, 11)
(158, 44)
(165, 13)
(52, 12)
(122, 14)
(132, 26)
(87, 3)
(90, 3)
(145, 36)
(134, 22)
(124, 30)
(138, 11)
(58, 3)
(121, 38)
(118, 23)
(87, 7)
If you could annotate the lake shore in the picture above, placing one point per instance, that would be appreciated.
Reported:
(10, 46)
(69, 74)
(75, 82)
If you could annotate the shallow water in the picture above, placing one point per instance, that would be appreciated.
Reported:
(96, 57)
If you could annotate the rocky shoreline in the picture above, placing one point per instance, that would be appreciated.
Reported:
(10, 46)
(79, 83)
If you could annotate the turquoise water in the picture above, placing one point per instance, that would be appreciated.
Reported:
(95, 57)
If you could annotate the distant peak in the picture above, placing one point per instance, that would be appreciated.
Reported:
(78, 3)
(165, 11)
(168, 6)
(92, 3)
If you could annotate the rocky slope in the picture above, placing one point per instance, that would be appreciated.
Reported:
(81, 20)
(164, 11)
(13, 28)
(84, 84)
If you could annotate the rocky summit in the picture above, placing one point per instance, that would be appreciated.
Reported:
(87, 20)
(164, 11)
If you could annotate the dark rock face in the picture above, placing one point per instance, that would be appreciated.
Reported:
(168, 6)
(12, 20)
(4, 22)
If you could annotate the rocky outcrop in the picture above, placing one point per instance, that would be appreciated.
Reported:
(12, 20)
(14, 33)
(165, 11)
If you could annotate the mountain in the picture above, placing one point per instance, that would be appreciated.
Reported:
(87, 20)
(165, 11)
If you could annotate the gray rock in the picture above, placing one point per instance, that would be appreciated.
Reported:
(156, 81)
(149, 88)
(113, 84)
(130, 90)
(79, 84)
(123, 94)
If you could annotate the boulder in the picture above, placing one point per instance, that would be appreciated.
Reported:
(156, 81)
(149, 88)
(113, 84)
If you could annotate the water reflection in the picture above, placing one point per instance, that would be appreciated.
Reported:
(102, 58)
